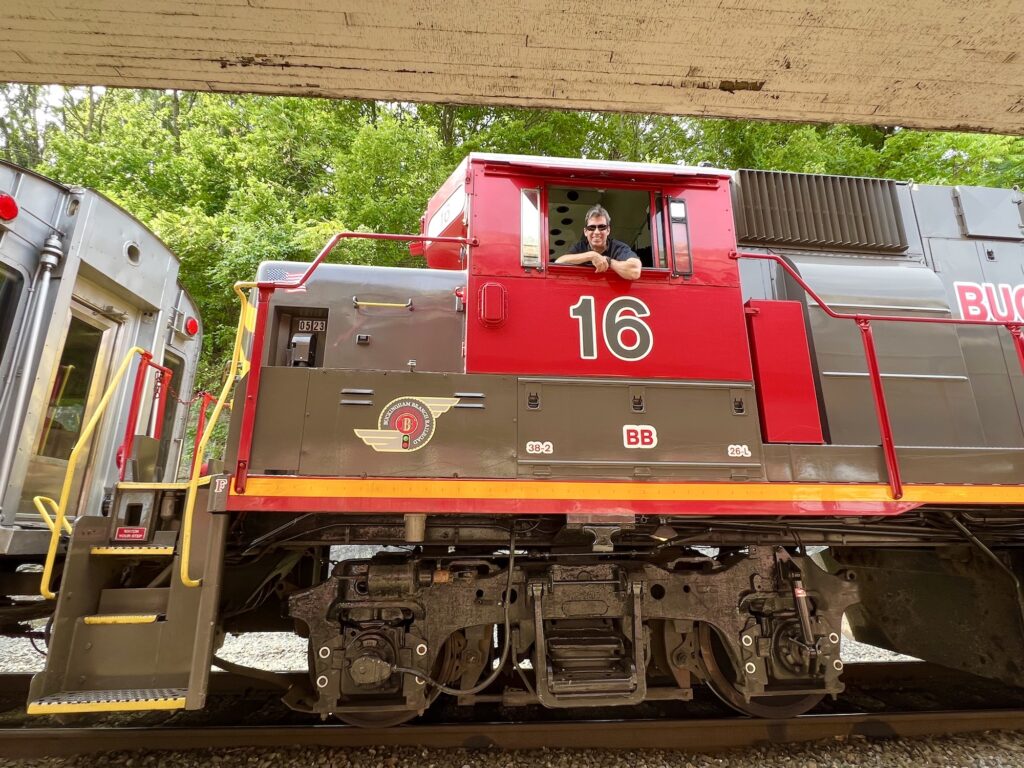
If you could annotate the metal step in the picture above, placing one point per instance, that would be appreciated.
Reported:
(588, 663)
(129, 700)
(121, 618)
(133, 551)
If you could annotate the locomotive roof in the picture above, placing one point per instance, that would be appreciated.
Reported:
(606, 166)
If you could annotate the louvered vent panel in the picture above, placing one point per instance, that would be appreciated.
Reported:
(811, 211)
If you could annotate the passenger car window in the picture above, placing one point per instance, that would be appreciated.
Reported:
(10, 292)
(65, 411)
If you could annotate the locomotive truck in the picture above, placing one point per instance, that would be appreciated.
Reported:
(594, 491)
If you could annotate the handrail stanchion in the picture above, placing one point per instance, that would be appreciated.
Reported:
(69, 475)
(205, 401)
(163, 383)
(133, 415)
(884, 425)
(252, 388)
(197, 466)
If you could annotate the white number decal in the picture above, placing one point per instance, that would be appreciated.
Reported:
(625, 335)
(739, 451)
(537, 446)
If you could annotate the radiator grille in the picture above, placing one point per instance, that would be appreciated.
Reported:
(810, 211)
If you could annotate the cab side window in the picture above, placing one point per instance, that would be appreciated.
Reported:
(636, 219)
(682, 263)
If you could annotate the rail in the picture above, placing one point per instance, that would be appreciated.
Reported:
(196, 470)
(256, 317)
(163, 384)
(867, 337)
(205, 401)
(41, 502)
(60, 513)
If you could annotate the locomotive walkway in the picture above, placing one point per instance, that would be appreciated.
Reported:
(914, 699)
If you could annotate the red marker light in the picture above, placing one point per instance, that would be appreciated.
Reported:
(191, 326)
(8, 207)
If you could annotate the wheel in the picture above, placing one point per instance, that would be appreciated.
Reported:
(720, 676)
(447, 669)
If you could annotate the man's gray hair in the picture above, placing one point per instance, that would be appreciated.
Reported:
(597, 210)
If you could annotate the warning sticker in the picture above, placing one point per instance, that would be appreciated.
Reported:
(130, 533)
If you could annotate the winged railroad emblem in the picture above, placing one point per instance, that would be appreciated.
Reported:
(406, 423)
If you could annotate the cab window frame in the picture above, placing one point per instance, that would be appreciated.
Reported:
(670, 224)
(659, 225)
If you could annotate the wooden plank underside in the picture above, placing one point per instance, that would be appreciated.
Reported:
(916, 64)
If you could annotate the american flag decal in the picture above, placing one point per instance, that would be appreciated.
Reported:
(283, 275)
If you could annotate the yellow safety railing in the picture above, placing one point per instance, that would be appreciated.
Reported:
(239, 363)
(60, 519)
(40, 501)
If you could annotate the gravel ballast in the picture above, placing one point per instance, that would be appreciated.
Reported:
(987, 750)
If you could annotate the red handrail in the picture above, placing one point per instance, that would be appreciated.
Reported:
(265, 290)
(867, 336)
(360, 236)
(205, 401)
(163, 385)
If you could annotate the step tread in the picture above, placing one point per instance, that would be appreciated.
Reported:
(121, 618)
(123, 700)
(112, 549)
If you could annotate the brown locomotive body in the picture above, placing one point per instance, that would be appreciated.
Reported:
(804, 361)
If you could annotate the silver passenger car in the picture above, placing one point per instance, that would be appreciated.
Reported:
(82, 282)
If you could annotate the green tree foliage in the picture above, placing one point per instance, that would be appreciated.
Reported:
(22, 111)
(229, 181)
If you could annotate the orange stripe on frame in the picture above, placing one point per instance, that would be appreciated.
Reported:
(525, 490)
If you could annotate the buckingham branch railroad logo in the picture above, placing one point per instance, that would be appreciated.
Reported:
(406, 423)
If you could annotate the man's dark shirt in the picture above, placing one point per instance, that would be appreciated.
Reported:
(616, 249)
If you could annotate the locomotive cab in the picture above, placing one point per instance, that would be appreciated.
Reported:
(547, 370)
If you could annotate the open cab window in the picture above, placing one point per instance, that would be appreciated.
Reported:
(553, 217)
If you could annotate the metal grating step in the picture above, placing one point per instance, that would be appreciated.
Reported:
(133, 551)
(127, 700)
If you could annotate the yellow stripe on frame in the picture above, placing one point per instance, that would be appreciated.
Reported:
(136, 551)
(383, 488)
(36, 708)
(122, 618)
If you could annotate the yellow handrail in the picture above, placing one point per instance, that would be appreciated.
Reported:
(197, 465)
(40, 501)
(69, 475)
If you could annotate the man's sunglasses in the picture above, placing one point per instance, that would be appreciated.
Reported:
(596, 227)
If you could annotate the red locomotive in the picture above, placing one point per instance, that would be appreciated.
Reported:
(618, 480)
